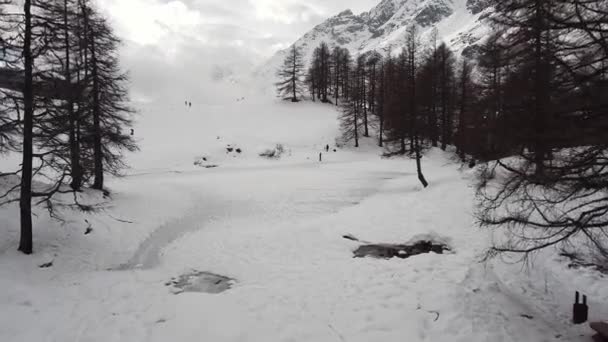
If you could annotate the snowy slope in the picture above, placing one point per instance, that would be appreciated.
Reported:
(275, 227)
(383, 28)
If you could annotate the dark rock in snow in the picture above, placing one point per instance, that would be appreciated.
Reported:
(46, 265)
(350, 237)
(388, 251)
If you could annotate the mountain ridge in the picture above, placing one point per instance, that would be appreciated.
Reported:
(459, 24)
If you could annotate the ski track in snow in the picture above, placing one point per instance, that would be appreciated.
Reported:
(316, 199)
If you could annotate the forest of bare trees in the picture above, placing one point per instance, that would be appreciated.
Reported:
(530, 106)
(63, 103)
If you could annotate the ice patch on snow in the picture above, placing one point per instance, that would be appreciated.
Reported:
(197, 281)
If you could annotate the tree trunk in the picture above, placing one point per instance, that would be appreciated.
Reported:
(414, 115)
(356, 126)
(313, 85)
(97, 144)
(540, 89)
(419, 163)
(462, 136)
(412, 147)
(73, 118)
(294, 75)
(337, 88)
(433, 116)
(364, 105)
(381, 133)
(25, 201)
(444, 106)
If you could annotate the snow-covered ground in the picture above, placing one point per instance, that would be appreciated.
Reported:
(275, 227)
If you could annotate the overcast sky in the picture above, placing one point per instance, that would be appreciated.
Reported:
(176, 39)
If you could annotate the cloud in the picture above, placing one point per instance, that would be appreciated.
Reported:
(175, 43)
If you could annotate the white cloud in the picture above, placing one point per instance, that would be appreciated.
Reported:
(172, 39)
(149, 21)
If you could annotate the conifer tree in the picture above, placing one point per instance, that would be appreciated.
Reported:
(108, 116)
(47, 105)
(290, 86)
(554, 190)
(412, 51)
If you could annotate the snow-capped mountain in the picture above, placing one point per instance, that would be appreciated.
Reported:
(458, 22)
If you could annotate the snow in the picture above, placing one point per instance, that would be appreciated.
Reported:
(275, 227)
(384, 27)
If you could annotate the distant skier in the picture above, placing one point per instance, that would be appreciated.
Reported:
(132, 132)
(320, 156)
(326, 148)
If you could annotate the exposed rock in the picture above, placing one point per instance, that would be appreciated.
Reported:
(433, 14)
(46, 265)
(388, 251)
(472, 51)
(476, 6)
(346, 13)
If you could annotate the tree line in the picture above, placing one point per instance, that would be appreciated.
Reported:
(63, 102)
(534, 91)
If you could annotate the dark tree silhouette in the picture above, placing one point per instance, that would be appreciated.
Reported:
(465, 117)
(433, 84)
(290, 85)
(321, 72)
(554, 190)
(58, 76)
(25, 201)
(445, 74)
(337, 70)
(492, 73)
(411, 51)
(107, 131)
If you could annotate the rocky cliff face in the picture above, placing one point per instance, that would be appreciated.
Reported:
(383, 27)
